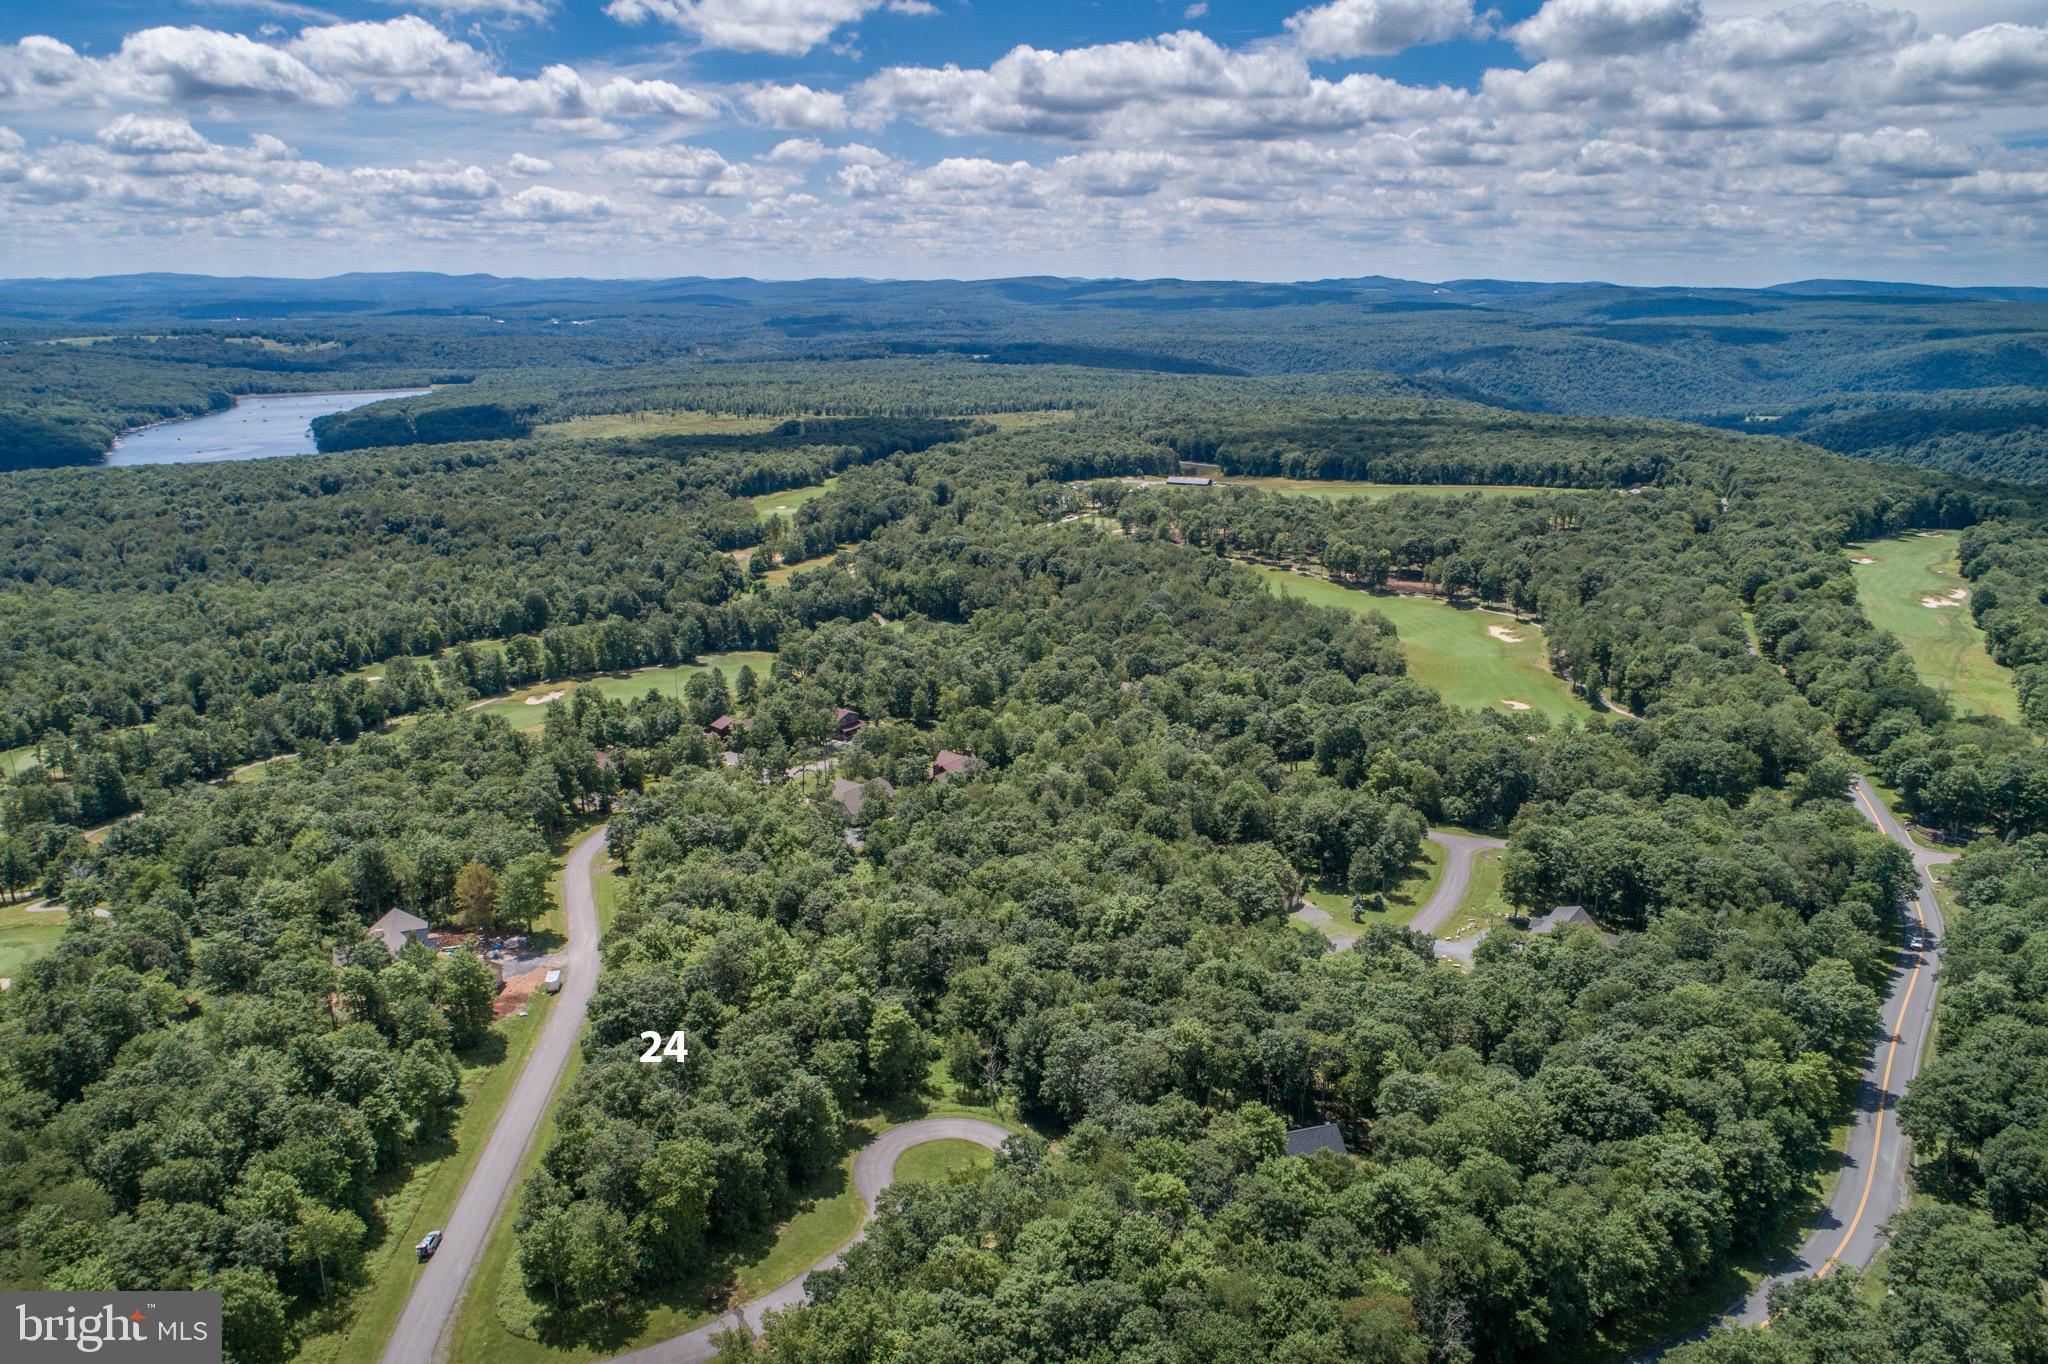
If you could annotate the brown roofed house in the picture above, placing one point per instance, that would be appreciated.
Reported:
(851, 795)
(846, 723)
(396, 927)
(725, 726)
(949, 764)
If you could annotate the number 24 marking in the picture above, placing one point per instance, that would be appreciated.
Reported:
(657, 1049)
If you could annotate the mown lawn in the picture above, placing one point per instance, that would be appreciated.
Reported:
(1946, 646)
(527, 708)
(1484, 907)
(935, 1160)
(1406, 896)
(786, 502)
(1453, 649)
(25, 936)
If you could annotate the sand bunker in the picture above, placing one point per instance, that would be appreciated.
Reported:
(1861, 559)
(1936, 603)
(1503, 634)
(555, 695)
(1960, 593)
(1516, 705)
(374, 677)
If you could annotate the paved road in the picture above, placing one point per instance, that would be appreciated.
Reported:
(873, 1171)
(1449, 893)
(1872, 1186)
(1459, 850)
(437, 1290)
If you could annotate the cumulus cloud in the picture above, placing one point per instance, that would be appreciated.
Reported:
(542, 204)
(680, 172)
(1378, 28)
(797, 108)
(140, 135)
(788, 27)
(522, 164)
(1603, 28)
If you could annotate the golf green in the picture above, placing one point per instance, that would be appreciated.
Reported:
(1911, 587)
(1478, 659)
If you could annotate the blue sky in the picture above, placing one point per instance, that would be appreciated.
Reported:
(1652, 141)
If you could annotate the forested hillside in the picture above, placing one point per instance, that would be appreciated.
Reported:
(1950, 379)
(1082, 929)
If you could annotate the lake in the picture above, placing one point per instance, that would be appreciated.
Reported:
(262, 427)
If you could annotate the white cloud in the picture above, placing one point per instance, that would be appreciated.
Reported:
(194, 64)
(140, 135)
(1377, 28)
(406, 49)
(542, 204)
(506, 9)
(680, 172)
(522, 164)
(1599, 28)
(788, 27)
(797, 108)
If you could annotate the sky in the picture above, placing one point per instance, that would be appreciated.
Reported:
(1708, 142)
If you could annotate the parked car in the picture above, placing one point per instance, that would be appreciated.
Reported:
(553, 984)
(429, 1243)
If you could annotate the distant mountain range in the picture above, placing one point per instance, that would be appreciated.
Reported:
(1953, 378)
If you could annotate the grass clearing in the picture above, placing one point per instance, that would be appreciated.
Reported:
(1481, 660)
(1404, 897)
(24, 936)
(786, 502)
(527, 708)
(780, 576)
(1484, 907)
(14, 761)
(938, 1160)
(625, 425)
(1908, 586)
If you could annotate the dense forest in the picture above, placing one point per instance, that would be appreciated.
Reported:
(1085, 930)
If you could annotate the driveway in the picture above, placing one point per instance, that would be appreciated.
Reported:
(439, 1284)
(873, 1171)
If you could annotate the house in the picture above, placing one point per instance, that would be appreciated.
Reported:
(846, 723)
(1567, 916)
(1187, 481)
(1564, 916)
(396, 928)
(725, 725)
(1306, 1141)
(949, 764)
(851, 795)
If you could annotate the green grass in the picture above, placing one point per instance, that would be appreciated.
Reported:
(780, 576)
(786, 502)
(1944, 642)
(1406, 896)
(14, 761)
(1484, 906)
(524, 709)
(1451, 648)
(428, 1195)
(937, 1160)
(25, 936)
(625, 425)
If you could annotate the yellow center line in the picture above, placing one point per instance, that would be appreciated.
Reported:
(1891, 1055)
